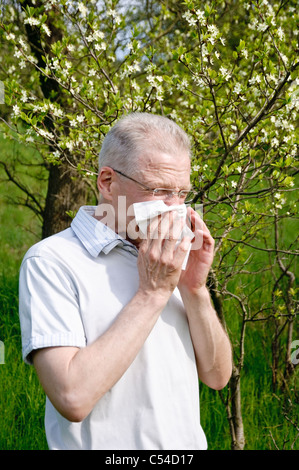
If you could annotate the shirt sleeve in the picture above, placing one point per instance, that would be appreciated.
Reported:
(48, 307)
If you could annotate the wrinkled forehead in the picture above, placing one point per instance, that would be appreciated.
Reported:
(165, 170)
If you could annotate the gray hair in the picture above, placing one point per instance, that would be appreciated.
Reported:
(139, 134)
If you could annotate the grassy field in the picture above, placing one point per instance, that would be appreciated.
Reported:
(22, 399)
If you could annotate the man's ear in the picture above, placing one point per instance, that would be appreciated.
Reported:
(104, 181)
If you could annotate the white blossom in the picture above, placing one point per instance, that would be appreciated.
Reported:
(280, 33)
(280, 200)
(135, 85)
(114, 15)
(271, 78)
(83, 10)
(18, 53)
(153, 80)
(213, 29)
(284, 58)
(70, 145)
(237, 88)
(32, 21)
(24, 97)
(200, 17)
(10, 36)
(46, 134)
(22, 43)
(16, 110)
(100, 47)
(234, 184)
(191, 20)
(184, 83)
(262, 27)
(150, 67)
(50, 3)
(198, 120)
(45, 28)
(92, 72)
(225, 73)
(255, 79)
(57, 112)
(55, 64)
(98, 35)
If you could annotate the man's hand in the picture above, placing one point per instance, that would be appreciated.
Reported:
(160, 257)
(201, 255)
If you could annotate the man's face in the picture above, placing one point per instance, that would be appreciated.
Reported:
(157, 171)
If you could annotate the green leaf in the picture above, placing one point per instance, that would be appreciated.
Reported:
(167, 79)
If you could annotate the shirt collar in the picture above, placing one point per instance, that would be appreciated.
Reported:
(95, 236)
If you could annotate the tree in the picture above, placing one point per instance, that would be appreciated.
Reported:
(227, 72)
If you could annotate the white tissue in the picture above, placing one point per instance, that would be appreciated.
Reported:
(148, 210)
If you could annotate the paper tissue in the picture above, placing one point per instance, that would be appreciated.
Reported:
(148, 210)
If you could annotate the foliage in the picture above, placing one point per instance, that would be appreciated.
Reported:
(227, 72)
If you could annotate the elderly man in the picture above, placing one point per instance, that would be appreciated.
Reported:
(118, 332)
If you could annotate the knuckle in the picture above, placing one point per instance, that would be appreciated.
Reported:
(164, 260)
(143, 248)
(172, 266)
(153, 256)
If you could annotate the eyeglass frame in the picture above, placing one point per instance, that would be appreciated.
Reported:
(155, 190)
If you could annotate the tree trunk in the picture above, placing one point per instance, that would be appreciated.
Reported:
(233, 402)
(237, 428)
(64, 194)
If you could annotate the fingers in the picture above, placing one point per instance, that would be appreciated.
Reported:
(163, 235)
(203, 238)
(165, 227)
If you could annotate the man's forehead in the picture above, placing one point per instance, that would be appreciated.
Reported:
(166, 171)
(164, 160)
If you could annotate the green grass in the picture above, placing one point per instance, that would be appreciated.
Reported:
(22, 399)
(265, 424)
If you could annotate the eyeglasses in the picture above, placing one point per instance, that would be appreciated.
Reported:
(163, 193)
